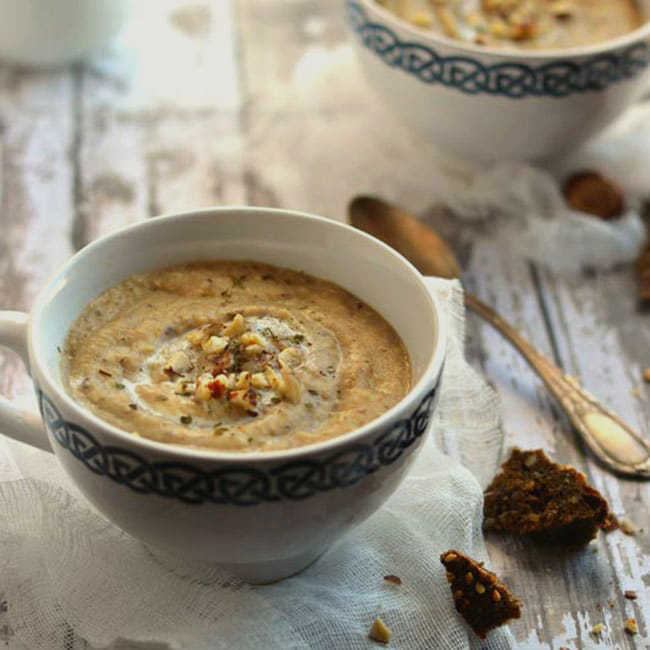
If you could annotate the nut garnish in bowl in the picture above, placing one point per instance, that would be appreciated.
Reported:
(234, 367)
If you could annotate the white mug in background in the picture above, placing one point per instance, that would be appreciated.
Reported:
(261, 515)
(56, 32)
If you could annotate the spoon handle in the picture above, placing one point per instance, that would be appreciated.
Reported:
(612, 441)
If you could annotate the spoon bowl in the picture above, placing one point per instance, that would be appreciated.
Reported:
(408, 236)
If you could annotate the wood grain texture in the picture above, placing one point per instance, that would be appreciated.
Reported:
(260, 102)
(36, 132)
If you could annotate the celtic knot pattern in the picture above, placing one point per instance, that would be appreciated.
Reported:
(234, 484)
(512, 80)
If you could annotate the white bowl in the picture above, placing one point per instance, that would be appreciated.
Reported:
(486, 104)
(262, 516)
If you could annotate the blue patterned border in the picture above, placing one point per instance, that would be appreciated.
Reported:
(512, 80)
(237, 485)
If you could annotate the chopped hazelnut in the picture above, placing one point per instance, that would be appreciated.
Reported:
(420, 19)
(290, 388)
(215, 344)
(242, 399)
(179, 362)
(243, 379)
(562, 9)
(203, 392)
(447, 21)
(597, 629)
(259, 380)
(252, 338)
(235, 327)
(273, 378)
(480, 589)
(290, 357)
(631, 626)
(379, 631)
(628, 527)
(196, 337)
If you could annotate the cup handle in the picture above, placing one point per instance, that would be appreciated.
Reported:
(19, 424)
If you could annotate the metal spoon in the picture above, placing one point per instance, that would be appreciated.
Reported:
(613, 442)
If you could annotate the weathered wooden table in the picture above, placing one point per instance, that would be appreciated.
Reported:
(259, 102)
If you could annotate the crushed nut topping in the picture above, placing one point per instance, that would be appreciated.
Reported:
(239, 364)
(631, 627)
(597, 629)
(379, 631)
(628, 527)
(512, 21)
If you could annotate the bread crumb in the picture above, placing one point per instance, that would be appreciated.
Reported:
(379, 632)
(631, 626)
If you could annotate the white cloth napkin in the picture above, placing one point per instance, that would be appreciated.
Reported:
(66, 573)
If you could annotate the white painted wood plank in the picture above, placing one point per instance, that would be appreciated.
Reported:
(160, 126)
(605, 342)
(539, 580)
(36, 200)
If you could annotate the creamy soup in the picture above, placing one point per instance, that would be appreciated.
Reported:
(541, 24)
(234, 356)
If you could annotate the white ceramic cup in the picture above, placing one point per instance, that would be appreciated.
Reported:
(486, 104)
(55, 32)
(262, 516)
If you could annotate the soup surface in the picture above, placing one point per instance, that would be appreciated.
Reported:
(235, 356)
(533, 24)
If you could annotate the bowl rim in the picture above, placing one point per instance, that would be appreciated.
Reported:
(55, 391)
(602, 47)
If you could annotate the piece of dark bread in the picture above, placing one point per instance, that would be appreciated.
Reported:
(482, 600)
(534, 496)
